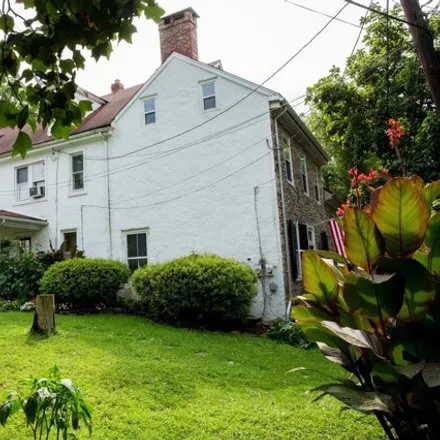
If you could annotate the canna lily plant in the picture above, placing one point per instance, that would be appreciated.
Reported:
(377, 312)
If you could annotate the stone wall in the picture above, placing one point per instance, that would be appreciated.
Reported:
(301, 208)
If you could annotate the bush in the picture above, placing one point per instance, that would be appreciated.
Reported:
(84, 283)
(9, 306)
(20, 274)
(197, 290)
(288, 333)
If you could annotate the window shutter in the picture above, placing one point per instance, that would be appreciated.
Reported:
(303, 240)
(293, 247)
(324, 241)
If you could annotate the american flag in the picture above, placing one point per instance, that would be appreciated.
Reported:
(337, 237)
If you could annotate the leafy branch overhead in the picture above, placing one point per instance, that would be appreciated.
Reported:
(43, 47)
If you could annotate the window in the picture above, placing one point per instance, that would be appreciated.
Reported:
(70, 242)
(318, 184)
(25, 243)
(288, 159)
(150, 111)
(305, 180)
(294, 250)
(137, 250)
(209, 100)
(311, 237)
(77, 171)
(31, 176)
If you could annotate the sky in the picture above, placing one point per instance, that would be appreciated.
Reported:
(252, 38)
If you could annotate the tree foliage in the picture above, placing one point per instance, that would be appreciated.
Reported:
(351, 108)
(43, 47)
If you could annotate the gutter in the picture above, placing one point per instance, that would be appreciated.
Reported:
(4, 218)
(88, 135)
(283, 201)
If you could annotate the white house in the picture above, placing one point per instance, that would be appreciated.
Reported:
(195, 159)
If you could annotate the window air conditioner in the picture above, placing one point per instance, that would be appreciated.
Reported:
(36, 192)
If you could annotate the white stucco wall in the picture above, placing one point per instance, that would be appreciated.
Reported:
(155, 190)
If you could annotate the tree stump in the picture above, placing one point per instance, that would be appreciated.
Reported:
(44, 317)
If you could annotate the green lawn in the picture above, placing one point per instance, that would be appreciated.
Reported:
(147, 381)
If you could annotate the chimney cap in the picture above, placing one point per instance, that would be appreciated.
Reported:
(178, 15)
(117, 86)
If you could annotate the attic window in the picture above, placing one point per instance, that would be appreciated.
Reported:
(209, 99)
(150, 111)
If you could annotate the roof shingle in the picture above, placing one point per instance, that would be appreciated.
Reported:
(101, 117)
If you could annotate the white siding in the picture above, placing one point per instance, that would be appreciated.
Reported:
(220, 219)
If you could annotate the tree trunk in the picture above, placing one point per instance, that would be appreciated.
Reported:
(44, 317)
(429, 58)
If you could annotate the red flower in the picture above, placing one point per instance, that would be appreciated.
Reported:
(394, 133)
(343, 209)
(354, 173)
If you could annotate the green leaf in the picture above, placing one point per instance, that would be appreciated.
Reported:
(385, 372)
(337, 356)
(7, 115)
(401, 215)
(126, 31)
(431, 375)
(6, 23)
(27, 75)
(357, 338)
(22, 117)
(67, 66)
(319, 279)
(417, 284)
(22, 144)
(329, 255)
(357, 399)
(308, 320)
(366, 297)
(431, 192)
(29, 4)
(432, 243)
(154, 12)
(31, 408)
(61, 131)
(363, 243)
(85, 106)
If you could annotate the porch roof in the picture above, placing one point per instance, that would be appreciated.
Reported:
(20, 221)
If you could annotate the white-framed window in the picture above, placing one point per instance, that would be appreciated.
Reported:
(150, 111)
(318, 184)
(209, 96)
(311, 237)
(27, 177)
(304, 177)
(136, 243)
(288, 160)
(77, 167)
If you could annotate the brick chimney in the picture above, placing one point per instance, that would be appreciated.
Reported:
(178, 33)
(116, 86)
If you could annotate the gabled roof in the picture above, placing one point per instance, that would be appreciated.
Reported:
(101, 117)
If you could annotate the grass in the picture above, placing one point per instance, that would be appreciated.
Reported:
(147, 381)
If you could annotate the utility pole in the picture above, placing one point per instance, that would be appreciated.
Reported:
(424, 44)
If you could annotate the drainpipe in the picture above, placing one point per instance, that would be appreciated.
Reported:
(1, 226)
(55, 158)
(283, 203)
(109, 210)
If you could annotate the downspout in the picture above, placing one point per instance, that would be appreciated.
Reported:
(283, 204)
(109, 210)
(55, 158)
(1, 226)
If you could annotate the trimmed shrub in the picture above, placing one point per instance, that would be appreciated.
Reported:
(20, 274)
(84, 283)
(197, 290)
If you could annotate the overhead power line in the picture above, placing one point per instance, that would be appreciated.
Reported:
(298, 5)
(283, 66)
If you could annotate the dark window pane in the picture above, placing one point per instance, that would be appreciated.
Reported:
(142, 245)
(208, 89)
(305, 183)
(78, 181)
(150, 118)
(132, 248)
(22, 175)
(77, 163)
(289, 171)
(133, 264)
(70, 241)
(149, 106)
(209, 103)
(142, 262)
(317, 192)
